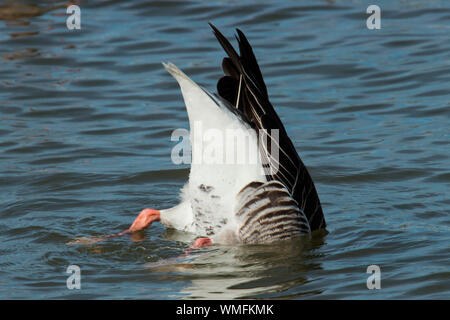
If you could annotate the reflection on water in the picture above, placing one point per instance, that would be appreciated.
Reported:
(86, 118)
(15, 11)
(27, 53)
(256, 271)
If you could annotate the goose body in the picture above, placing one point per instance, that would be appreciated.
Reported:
(247, 184)
(268, 199)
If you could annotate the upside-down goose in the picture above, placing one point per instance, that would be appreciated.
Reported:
(268, 200)
(271, 199)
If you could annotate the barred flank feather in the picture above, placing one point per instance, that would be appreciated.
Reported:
(268, 213)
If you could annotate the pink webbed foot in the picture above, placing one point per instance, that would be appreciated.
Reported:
(198, 243)
(144, 220)
(202, 242)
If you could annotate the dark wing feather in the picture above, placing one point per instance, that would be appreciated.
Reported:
(243, 79)
(251, 65)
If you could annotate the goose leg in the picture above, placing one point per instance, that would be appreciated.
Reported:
(144, 220)
(202, 242)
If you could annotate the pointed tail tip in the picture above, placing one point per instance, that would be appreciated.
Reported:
(175, 71)
(171, 68)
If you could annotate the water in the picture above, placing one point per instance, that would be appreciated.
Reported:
(85, 124)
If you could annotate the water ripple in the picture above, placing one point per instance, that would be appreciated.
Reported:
(85, 124)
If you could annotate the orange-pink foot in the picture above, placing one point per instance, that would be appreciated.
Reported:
(144, 220)
(202, 242)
